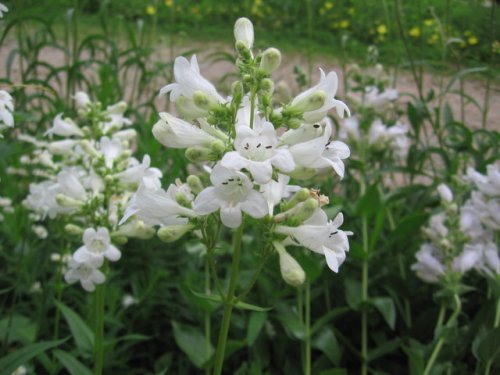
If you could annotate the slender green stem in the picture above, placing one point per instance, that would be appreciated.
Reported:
(255, 276)
(252, 106)
(440, 343)
(99, 330)
(496, 324)
(308, 328)
(364, 299)
(228, 302)
(207, 312)
(440, 320)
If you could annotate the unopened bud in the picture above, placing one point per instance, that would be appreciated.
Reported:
(237, 90)
(445, 193)
(89, 149)
(311, 102)
(271, 60)
(298, 197)
(194, 184)
(267, 86)
(120, 240)
(136, 229)
(198, 154)
(187, 109)
(218, 147)
(181, 198)
(291, 271)
(172, 233)
(65, 201)
(304, 211)
(73, 229)
(243, 32)
(202, 100)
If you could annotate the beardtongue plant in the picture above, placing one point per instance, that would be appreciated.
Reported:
(461, 238)
(90, 176)
(250, 149)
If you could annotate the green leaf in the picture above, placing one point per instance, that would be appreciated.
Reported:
(239, 305)
(18, 328)
(384, 348)
(192, 342)
(290, 321)
(385, 305)
(73, 365)
(332, 314)
(329, 346)
(255, 324)
(488, 345)
(83, 335)
(12, 361)
(353, 293)
(416, 355)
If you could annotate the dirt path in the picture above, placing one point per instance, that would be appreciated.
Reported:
(215, 70)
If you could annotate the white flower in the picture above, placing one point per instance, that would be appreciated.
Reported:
(303, 133)
(86, 273)
(257, 151)
(21, 370)
(111, 149)
(6, 105)
(445, 192)
(97, 246)
(243, 32)
(128, 301)
(488, 184)
(376, 99)
(40, 231)
(64, 127)
(467, 259)
(232, 193)
(274, 191)
(4, 9)
(173, 132)
(428, 267)
(321, 236)
(42, 199)
(115, 118)
(349, 129)
(437, 227)
(69, 183)
(328, 84)
(82, 99)
(63, 147)
(189, 80)
(321, 152)
(138, 171)
(156, 207)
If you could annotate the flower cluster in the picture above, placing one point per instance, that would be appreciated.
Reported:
(251, 147)
(6, 108)
(90, 176)
(462, 237)
(376, 125)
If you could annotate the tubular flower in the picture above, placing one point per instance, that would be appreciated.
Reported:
(232, 193)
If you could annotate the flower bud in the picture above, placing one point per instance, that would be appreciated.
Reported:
(120, 240)
(89, 149)
(202, 100)
(198, 154)
(172, 233)
(73, 229)
(181, 198)
(82, 99)
(291, 271)
(187, 109)
(304, 211)
(218, 147)
(267, 86)
(310, 103)
(445, 193)
(194, 184)
(271, 60)
(136, 229)
(65, 201)
(237, 91)
(298, 197)
(243, 32)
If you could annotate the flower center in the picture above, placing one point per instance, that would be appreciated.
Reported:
(97, 246)
(257, 149)
(233, 190)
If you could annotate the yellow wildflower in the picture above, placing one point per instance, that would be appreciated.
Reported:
(328, 5)
(495, 47)
(472, 40)
(382, 29)
(351, 11)
(344, 24)
(415, 32)
(151, 10)
(428, 22)
(169, 3)
(433, 39)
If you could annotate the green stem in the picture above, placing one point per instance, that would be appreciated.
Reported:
(364, 299)
(496, 324)
(228, 302)
(440, 343)
(308, 328)
(252, 106)
(99, 330)
(207, 313)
